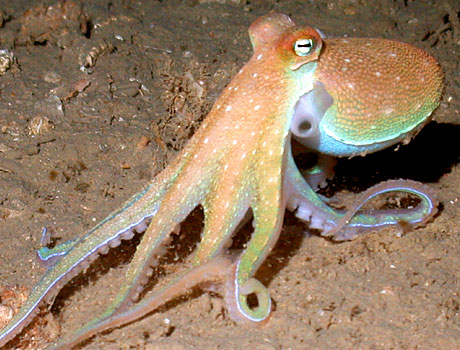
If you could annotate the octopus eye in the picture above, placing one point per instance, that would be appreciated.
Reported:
(303, 47)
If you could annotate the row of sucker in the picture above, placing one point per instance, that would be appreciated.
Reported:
(49, 297)
(145, 275)
(307, 212)
(214, 272)
(103, 250)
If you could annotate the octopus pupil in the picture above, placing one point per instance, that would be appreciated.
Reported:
(303, 47)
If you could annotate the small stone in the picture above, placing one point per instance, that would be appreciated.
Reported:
(4, 148)
(52, 77)
(39, 125)
(143, 142)
(31, 150)
(50, 106)
(6, 61)
(6, 314)
(170, 345)
(127, 89)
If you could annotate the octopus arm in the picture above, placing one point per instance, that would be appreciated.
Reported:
(183, 199)
(66, 260)
(213, 272)
(321, 172)
(268, 208)
(357, 221)
(308, 206)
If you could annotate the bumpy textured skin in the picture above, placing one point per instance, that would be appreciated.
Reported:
(381, 88)
(240, 159)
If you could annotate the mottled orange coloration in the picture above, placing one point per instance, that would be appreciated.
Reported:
(381, 88)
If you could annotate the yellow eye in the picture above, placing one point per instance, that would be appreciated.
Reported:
(303, 47)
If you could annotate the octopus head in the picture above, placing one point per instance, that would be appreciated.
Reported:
(292, 46)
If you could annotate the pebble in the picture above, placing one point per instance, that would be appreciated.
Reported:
(6, 314)
(52, 77)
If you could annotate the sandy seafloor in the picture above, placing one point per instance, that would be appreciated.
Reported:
(75, 144)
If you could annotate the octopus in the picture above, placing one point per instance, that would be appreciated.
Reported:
(338, 97)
